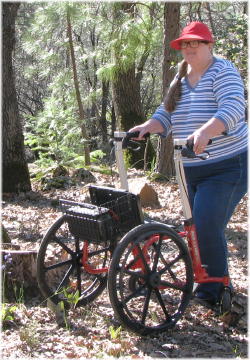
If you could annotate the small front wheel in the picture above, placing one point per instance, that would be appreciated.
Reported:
(150, 279)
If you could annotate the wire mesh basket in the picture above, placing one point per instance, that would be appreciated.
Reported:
(124, 206)
(88, 222)
(112, 212)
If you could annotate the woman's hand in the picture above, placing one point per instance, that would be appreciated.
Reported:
(213, 127)
(200, 140)
(142, 131)
(151, 126)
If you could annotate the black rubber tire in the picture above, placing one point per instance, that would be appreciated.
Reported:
(153, 301)
(60, 272)
(225, 301)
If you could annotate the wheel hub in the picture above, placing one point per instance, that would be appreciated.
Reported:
(154, 279)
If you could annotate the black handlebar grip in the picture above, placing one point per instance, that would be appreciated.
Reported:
(189, 152)
(190, 143)
(129, 136)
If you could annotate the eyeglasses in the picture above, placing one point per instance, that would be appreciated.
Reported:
(192, 43)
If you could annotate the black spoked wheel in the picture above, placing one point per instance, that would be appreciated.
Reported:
(150, 279)
(60, 273)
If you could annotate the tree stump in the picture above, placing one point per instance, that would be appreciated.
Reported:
(19, 275)
(5, 235)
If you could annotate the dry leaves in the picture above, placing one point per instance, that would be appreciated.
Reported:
(198, 334)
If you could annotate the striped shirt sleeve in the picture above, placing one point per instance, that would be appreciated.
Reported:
(163, 116)
(229, 94)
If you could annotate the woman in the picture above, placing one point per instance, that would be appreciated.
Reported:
(206, 101)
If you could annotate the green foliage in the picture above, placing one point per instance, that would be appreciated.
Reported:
(109, 37)
(19, 293)
(130, 37)
(115, 333)
(232, 43)
(55, 132)
(102, 169)
(76, 162)
(96, 156)
(7, 312)
(72, 297)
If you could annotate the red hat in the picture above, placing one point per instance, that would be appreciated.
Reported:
(195, 31)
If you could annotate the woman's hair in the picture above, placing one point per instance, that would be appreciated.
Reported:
(174, 92)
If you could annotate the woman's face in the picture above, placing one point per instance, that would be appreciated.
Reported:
(196, 55)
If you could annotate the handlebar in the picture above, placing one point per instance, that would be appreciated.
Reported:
(185, 147)
(188, 152)
(127, 142)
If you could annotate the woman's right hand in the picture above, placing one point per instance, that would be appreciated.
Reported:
(142, 131)
(151, 126)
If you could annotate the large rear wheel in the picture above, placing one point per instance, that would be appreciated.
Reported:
(150, 279)
(60, 273)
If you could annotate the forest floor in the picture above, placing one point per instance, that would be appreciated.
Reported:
(34, 332)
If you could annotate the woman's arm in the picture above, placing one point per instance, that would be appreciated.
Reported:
(151, 126)
(213, 127)
(228, 90)
(159, 123)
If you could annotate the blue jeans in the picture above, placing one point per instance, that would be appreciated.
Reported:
(214, 191)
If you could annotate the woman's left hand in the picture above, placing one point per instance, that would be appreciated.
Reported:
(200, 140)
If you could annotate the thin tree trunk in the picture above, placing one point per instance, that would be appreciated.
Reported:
(15, 170)
(113, 120)
(78, 96)
(164, 161)
(207, 4)
(103, 120)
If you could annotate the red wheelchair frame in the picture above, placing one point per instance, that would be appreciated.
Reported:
(113, 223)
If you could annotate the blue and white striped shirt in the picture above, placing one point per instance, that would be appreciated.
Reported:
(219, 94)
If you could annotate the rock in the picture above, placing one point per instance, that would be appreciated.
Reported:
(82, 174)
(148, 195)
(58, 182)
(60, 171)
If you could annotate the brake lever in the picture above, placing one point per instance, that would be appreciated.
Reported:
(205, 156)
(130, 143)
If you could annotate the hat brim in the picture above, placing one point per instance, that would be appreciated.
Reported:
(175, 44)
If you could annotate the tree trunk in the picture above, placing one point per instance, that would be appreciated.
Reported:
(78, 96)
(15, 170)
(164, 161)
(103, 120)
(210, 16)
(126, 93)
(113, 120)
(127, 101)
